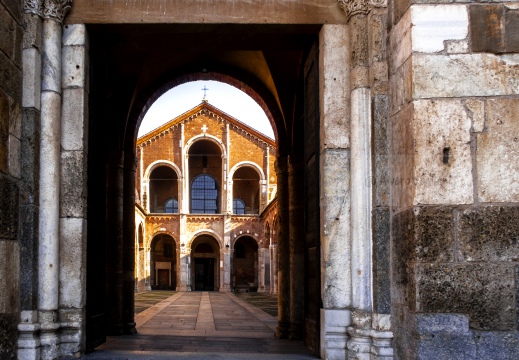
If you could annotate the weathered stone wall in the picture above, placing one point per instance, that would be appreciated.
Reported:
(454, 180)
(11, 137)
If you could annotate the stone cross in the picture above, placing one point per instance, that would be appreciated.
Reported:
(204, 128)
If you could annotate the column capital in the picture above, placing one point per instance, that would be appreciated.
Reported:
(48, 9)
(360, 7)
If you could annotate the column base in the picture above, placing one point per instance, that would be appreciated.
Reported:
(296, 331)
(28, 336)
(282, 330)
(129, 329)
(225, 288)
(183, 288)
(334, 324)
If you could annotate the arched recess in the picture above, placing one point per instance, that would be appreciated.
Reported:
(205, 163)
(163, 186)
(163, 262)
(245, 264)
(247, 186)
(205, 259)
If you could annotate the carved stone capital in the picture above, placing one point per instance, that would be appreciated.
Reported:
(354, 7)
(34, 7)
(360, 7)
(56, 9)
(48, 9)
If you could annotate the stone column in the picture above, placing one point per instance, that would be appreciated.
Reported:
(282, 329)
(334, 92)
(128, 307)
(273, 269)
(73, 193)
(114, 241)
(226, 254)
(297, 245)
(28, 328)
(53, 13)
(184, 263)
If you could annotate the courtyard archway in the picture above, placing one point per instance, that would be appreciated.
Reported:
(205, 257)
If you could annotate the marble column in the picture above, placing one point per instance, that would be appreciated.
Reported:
(359, 344)
(282, 330)
(128, 307)
(297, 245)
(53, 13)
(73, 193)
(335, 189)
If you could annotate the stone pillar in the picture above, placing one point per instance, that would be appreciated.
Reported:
(282, 330)
(73, 193)
(114, 241)
(273, 268)
(334, 92)
(226, 257)
(297, 245)
(184, 265)
(28, 328)
(128, 307)
(48, 263)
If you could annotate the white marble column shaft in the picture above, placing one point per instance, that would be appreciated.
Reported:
(361, 199)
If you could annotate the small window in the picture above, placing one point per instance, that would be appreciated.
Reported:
(171, 206)
(238, 207)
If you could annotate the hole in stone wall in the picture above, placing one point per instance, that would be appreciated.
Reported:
(446, 155)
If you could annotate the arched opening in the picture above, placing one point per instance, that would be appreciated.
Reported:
(163, 269)
(245, 264)
(120, 96)
(205, 170)
(246, 189)
(205, 255)
(163, 190)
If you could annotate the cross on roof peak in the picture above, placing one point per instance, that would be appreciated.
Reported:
(205, 93)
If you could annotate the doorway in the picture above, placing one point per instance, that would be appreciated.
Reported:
(205, 254)
(204, 274)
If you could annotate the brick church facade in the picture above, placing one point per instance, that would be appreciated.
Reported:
(205, 191)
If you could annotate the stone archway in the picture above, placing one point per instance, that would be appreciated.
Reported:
(116, 92)
(245, 265)
(163, 263)
(205, 258)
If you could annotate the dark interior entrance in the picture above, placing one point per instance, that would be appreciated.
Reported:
(204, 274)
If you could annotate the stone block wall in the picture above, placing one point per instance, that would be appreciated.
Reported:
(454, 180)
(11, 138)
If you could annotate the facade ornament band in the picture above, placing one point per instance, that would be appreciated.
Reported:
(48, 9)
(360, 7)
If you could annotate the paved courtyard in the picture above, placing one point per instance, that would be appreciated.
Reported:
(202, 325)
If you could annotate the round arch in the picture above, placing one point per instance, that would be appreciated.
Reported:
(200, 137)
(207, 232)
(247, 164)
(205, 259)
(159, 163)
(242, 80)
(164, 259)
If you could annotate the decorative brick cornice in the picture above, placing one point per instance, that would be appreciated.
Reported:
(48, 9)
(360, 7)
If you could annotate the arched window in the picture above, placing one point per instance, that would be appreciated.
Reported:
(238, 207)
(171, 206)
(204, 195)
